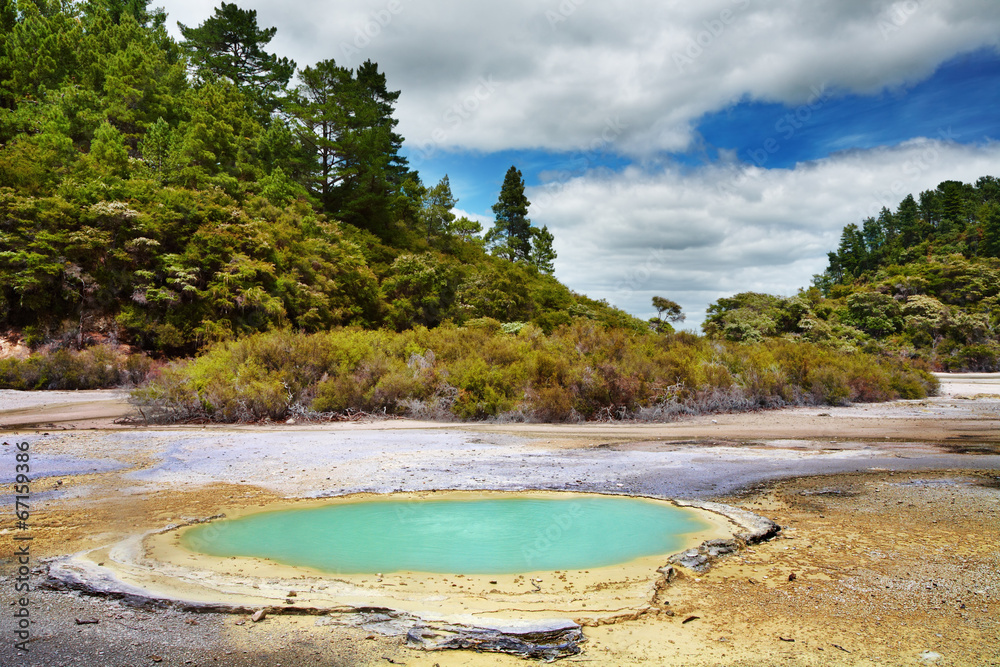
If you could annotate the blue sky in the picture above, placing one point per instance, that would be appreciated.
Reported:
(687, 150)
(962, 96)
(960, 100)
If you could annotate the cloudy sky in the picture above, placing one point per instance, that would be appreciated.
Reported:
(682, 149)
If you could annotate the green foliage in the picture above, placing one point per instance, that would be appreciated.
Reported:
(467, 230)
(542, 252)
(198, 212)
(671, 308)
(345, 117)
(749, 316)
(96, 367)
(108, 155)
(921, 282)
(436, 215)
(229, 45)
(420, 290)
(489, 370)
(510, 236)
(186, 211)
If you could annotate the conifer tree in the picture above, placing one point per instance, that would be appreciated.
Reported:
(230, 45)
(510, 236)
(436, 215)
(542, 253)
(317, 106)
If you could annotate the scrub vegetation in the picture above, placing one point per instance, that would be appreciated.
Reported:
(487, 369)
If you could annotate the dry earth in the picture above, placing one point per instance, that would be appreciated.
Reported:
(891, 516)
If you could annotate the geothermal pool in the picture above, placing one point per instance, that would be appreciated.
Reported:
(492, 535)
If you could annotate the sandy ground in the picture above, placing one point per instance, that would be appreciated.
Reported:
(891, 516)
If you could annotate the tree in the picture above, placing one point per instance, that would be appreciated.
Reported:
(8, 21)
(908, 217)
(510, 236)
(467, 230)
(108, 155)
(436, 213)
(372, 170)
(41, 52)
(230, 45)
(991, 231)
(345, 119)
(159, 149)
(116, 9)
(542, 253)
(318, 107)
(671, 308)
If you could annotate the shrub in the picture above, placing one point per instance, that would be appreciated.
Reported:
(96, 367)
(479, 372)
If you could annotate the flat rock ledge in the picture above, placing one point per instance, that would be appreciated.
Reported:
(752, 528)
(551, 643)
(544, 640)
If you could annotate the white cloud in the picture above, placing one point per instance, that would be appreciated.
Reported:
(484, 220)
(552, 74)
(697, 236)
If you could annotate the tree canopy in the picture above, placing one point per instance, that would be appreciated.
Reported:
(174, 194)
(230, 45)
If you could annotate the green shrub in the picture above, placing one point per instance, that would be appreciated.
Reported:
(96, 367)
(479, 372)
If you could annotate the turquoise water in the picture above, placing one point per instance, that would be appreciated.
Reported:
(475, 536)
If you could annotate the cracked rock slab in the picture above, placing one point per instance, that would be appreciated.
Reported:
(541, 643)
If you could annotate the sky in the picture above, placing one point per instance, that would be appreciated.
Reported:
(673, 148)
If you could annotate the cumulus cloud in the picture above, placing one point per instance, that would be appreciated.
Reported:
(695, 236)
(553, 74)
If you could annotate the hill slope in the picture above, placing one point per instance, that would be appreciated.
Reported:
(922, 282)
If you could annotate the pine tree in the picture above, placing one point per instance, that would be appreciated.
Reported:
(372, 169)
(908, 218)
(436, 215)
(8, 20)
(510, 236)
(116, 9)
(991, 230)
(318, 107)
(230, 45)
(542, 253)
(346, 120)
